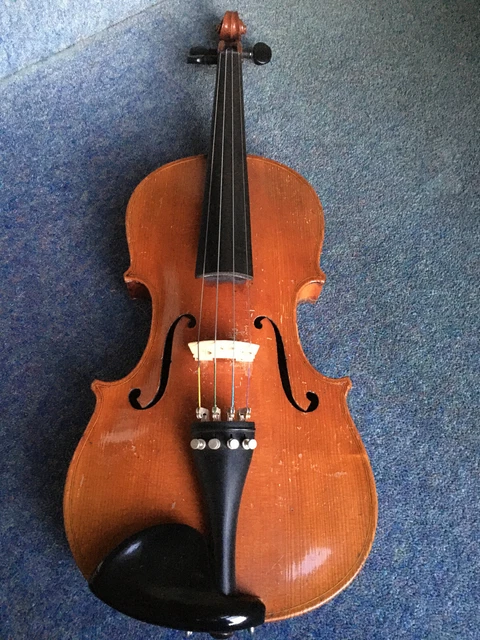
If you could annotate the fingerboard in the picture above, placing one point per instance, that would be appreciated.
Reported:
(224, 248)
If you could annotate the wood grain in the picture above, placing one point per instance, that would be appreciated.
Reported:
(309, 508)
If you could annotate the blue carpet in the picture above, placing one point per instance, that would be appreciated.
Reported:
(36, 29)
(377, 105)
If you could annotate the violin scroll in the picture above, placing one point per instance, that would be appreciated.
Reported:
(231, 29)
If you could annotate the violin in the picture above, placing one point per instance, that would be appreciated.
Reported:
(222, 483)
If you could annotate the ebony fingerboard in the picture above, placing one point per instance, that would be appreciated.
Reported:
(224, 248)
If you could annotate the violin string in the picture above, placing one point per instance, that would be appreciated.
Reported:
(233, 245)
(245, 197)
(209, 201)
(215, 407)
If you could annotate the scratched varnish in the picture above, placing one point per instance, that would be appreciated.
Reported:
(309, 509)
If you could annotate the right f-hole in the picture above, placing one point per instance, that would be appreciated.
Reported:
(283, 369)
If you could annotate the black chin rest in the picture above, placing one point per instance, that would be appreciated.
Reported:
(162, 575)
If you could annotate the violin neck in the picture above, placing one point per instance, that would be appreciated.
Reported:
(224, 249)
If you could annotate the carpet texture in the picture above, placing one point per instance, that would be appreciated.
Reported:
(377, 105)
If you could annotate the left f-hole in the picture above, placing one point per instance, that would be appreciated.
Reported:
(135, 394)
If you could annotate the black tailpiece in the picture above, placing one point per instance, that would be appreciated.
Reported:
(168, 574)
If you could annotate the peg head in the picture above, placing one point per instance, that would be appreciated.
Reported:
(261, 53)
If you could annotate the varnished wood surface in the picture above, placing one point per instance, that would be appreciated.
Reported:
(231, 28)
(308, 512)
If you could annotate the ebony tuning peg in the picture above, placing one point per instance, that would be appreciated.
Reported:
(261, 53)
(200, 55)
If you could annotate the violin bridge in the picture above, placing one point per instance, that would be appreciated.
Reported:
(208, 350)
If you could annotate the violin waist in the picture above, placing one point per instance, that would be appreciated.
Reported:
(308, 511)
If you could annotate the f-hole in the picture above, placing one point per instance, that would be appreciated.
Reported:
(283, 369)
(135, 394)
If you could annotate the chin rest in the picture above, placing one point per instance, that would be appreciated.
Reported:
(162, 575)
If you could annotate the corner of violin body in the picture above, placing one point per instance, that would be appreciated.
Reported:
(345, 382)
(343, 385)
(310, 290)
(137, 288)
(96, 386)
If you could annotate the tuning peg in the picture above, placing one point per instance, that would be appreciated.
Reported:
(261, 53)
(200, 55)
